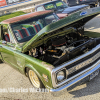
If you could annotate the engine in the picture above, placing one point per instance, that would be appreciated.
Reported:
(63, 48)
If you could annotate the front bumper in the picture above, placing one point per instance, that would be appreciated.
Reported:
(76, 81)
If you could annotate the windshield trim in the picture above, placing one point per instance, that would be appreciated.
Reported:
(29, 38)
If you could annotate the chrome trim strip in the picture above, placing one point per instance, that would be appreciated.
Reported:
(53, 76)
(93, 68)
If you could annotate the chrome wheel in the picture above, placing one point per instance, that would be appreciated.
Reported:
(34, 79)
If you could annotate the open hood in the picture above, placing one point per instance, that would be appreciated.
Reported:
(75, 20)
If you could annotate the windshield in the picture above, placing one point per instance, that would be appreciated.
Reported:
(50, 6)
(55, 5)
(60, 4)
(25, 30)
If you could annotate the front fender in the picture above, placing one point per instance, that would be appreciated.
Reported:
(40, 70)
(39, 67)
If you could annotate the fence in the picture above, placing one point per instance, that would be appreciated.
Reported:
(18, 6)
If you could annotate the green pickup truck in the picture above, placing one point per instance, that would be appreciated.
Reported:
(52, 52)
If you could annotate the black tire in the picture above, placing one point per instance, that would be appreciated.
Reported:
(1, 61)
(32, 80)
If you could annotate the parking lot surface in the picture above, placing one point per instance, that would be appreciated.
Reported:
(11, 80)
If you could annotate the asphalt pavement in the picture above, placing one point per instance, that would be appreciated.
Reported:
(11, 81)
(93, 25)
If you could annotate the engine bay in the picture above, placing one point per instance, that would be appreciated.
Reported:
(60, 49)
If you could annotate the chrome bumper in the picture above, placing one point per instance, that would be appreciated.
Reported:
(76, 81)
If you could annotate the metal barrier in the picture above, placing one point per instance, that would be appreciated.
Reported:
(18, 6)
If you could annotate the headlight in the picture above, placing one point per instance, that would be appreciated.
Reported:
(60, 76)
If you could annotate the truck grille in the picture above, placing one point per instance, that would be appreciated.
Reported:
(83, 63)
(78, 66)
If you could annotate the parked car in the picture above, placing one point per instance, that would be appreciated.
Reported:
(91, 3)
(60, 8)
(51, 52)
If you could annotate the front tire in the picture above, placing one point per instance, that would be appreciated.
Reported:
(34, 79)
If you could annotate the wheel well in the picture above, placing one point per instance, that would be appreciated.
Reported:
(25, 70)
